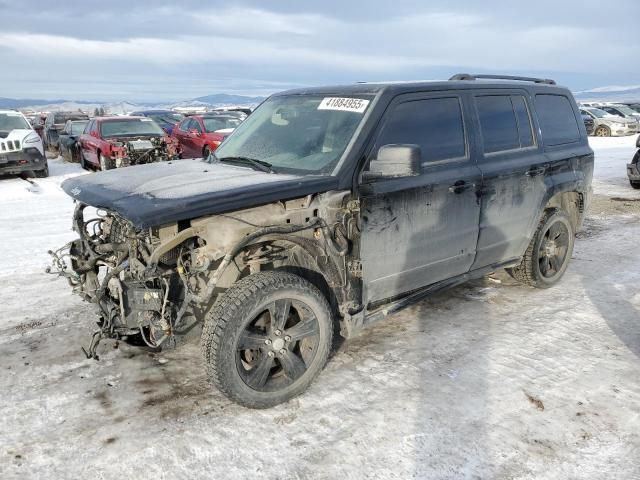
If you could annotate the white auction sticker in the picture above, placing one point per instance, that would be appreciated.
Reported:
(358, 105)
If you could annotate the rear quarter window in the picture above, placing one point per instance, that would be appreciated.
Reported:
(557, 120)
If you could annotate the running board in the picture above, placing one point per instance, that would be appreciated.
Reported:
(354, 323)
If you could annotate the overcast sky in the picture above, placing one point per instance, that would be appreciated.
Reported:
(156, 50)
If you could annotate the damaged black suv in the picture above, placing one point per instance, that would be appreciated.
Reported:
(330, 208)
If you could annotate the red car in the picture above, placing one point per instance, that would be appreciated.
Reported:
(200, 135)
(113, 142)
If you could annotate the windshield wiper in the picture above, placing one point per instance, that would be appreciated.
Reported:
(260, 165)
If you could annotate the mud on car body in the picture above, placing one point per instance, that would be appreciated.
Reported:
(330, 208)
(21, 148)
(114, 142)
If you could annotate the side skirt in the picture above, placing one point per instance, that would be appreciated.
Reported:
(353, 324)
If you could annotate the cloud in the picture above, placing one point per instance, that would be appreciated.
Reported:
(193, 46)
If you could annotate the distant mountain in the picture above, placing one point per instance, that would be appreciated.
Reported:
(612, 93)
(226, 99)
(216, 100)
(27, 102)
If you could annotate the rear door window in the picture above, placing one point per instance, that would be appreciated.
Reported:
(435, 124)
(505, 122)
(557, 120)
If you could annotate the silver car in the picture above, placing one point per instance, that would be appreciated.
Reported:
(607, 125)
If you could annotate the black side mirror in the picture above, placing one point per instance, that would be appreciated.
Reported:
(393, 161)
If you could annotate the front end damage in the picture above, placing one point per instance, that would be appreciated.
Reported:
(126, 151)
(153, 285)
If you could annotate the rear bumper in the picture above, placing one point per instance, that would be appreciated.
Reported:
(25, 160)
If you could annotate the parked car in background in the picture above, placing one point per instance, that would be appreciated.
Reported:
(589, 124)
(635, 106)
(199, 135)
(330, 206)
(113, 142)
(166, 119)
(633, 168)
(55, 122)
(607, 125)
(247, 111)
(68, 139)
(621, 111)
(21, 148)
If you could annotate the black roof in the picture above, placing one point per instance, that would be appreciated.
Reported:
(374, 88)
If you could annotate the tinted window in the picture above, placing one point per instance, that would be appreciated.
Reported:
(498, 123)
(557, 120)
(434, 124)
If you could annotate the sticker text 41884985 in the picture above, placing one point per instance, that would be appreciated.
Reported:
(345, 104)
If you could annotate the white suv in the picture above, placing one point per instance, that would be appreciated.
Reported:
(21, 148)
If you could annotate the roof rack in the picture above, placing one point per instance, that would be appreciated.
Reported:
(467, 76)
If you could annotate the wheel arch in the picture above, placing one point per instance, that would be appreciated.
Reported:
(305, 258)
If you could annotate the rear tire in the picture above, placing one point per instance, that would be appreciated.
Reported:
(635, 185)
(549, 252)
(267, 338)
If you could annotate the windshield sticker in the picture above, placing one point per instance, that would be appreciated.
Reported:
(146, 120)
(13, 114)
(358, 105)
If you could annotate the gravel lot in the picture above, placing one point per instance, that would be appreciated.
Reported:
(488, 380)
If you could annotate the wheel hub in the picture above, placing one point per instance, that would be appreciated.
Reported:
(277, 344)
(550, 249)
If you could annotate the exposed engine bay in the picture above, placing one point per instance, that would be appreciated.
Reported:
(138, 151)
(110, 266)
(152, 285)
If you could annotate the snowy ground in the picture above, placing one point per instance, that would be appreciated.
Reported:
(489, 380)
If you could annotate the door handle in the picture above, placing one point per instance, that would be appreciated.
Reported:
(461, 186)
(534, 172)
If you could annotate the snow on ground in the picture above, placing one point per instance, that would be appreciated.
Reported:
(488, 380)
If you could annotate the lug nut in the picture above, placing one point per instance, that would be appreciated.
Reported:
(282, 351)
(287, 338)
(267, 341)
(278, 332)
(271, 354)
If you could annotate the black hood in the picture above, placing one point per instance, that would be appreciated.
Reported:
(165, 192)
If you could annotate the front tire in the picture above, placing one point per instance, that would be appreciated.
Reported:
(603, 131)
(549, 252)
(267, 338)
(634, 185)
(105, 163)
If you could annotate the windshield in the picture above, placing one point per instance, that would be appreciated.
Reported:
(626, 110)
(78, 127)
(596, 112)
(297, 133)
(13, 121)
(212, 124)
(170, 118)
(134, 127)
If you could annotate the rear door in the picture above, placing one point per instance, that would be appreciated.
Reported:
(419, 230)
(514, 170)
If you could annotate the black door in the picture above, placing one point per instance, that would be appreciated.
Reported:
(419, 230)
(514, 170)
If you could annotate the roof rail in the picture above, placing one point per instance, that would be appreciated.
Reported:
(467, 76)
